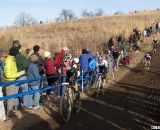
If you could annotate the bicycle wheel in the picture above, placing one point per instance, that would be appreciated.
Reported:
(77, 104)
(65, 107)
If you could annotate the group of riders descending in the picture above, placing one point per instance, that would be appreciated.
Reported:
(74, 73)
(99, 66)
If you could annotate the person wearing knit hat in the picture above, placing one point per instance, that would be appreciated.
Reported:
(51, 73)
(17, 44)
(13, 51)
(33, 73)
(34, 58)
(47, 54)
(65, 49)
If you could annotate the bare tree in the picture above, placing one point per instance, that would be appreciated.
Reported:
(24, 19)
(99, 12)
(66, 14)
(86, 13)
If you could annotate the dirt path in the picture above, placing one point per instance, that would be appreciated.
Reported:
(132, 102)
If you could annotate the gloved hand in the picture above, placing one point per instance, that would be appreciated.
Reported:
(22, 72)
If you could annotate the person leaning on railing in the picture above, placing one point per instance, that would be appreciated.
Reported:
(11, 74)
(22, 64)
(33, 73)
(51, 73)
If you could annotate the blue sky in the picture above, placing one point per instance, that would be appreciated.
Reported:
(50, 9)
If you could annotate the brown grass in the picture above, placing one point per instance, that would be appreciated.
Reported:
(90, 33)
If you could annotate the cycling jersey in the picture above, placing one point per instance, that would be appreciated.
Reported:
(103, 67)
(155, 43)
(147, 57)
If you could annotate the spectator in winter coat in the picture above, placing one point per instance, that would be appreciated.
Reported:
(84, 63)
(11, 74)
(59, 56)
(51, 71)
(83, 60)
(3, 55)
(33, 73)
(40, 62)
(22, 65)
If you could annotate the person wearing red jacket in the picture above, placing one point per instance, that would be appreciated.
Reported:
(59, 56)
(61, 60)
(51, 73)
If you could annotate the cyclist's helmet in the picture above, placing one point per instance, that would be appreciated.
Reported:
(76, 60)
(68, 56)
(101, 57)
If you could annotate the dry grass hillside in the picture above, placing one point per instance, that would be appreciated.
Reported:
(91, 33)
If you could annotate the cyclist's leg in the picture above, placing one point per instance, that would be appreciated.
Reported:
(104, 80)
(92, 77)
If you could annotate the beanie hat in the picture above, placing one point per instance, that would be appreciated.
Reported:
(17, 44)
(65, 49)
(84, 51)
(34, 58)
(47, 54)
(13, 51)
(36, 48)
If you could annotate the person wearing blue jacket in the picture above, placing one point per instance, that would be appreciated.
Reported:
(84, 63)
(90, 54)
(83, 60)
(93, 64)
(93, 69)
(33, 73)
